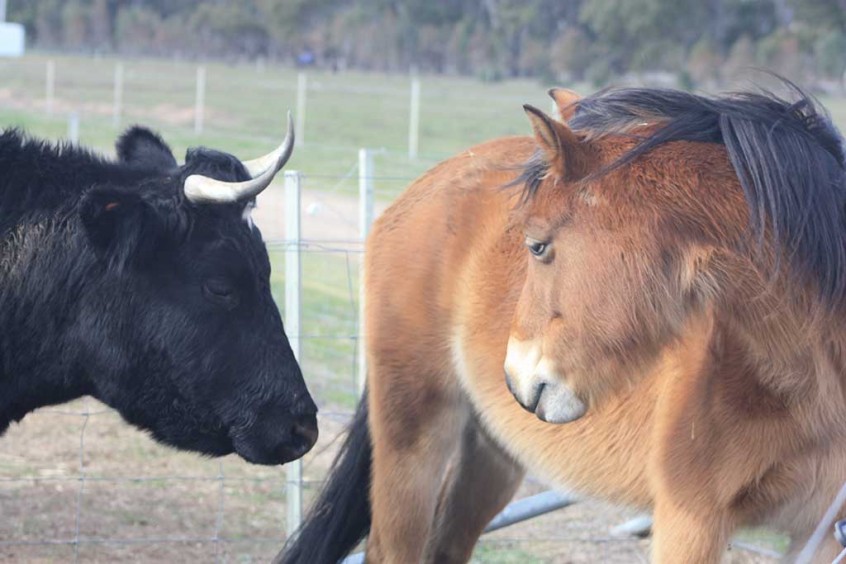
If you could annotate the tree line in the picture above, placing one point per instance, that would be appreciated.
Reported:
(698, 42)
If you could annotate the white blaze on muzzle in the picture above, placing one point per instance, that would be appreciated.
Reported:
(537, 385)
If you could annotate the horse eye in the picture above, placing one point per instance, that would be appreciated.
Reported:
(539, 249)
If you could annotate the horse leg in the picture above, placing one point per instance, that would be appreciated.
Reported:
(483, 482)
(415, 422)
(689, 535)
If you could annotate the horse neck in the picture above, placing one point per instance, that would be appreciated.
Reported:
(799, 353)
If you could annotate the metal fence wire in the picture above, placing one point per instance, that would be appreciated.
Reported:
(77, 484)
(322, 315)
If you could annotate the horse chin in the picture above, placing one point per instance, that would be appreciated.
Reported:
(559, 404)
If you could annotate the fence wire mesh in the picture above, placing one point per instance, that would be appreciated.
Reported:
(77, 484)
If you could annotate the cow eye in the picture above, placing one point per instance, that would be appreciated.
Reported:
(220, 292)
(539, 249)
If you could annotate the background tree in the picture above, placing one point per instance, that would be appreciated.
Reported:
(700, 42)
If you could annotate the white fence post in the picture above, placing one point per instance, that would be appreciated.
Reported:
(414, 119)
(200, 100)
(50, 87)
(302, 89)
(365, 219)
(118, 95)
(73, 127)
(293, 287)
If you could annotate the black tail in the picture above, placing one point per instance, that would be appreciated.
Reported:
(340, 518)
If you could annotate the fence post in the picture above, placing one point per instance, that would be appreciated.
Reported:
(293, 287)
(118, 95)
(73, 127)
(302, 84)
(365, 219)
(50, 87)
(414, 119)
(200, 100)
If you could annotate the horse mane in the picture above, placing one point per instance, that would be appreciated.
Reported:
(787, 154)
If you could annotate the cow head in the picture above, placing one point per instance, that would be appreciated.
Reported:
(176, 325)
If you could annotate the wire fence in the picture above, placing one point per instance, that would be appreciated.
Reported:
(77, 484)
(328, 339)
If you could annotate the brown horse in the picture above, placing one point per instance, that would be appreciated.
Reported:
(668, 285)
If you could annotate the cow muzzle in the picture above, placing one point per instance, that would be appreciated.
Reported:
(278, 437)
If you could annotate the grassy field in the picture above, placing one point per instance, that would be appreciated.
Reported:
(246, 104)
(135, 492)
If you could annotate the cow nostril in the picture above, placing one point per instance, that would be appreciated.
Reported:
(305, 430)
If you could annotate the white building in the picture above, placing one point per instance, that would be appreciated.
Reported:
(12, 35)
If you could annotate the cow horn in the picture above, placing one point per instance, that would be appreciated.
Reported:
(201, 189)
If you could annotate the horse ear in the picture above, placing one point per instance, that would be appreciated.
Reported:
(563, 150)
(566, 100)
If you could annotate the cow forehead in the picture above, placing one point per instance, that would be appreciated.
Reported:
(214, 164)
(230, 231)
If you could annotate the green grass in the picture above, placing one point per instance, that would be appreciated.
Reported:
(245, 110)
(764, 538)
(329, 322)
(493, 552)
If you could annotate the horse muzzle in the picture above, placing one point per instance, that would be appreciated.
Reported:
(537, 387)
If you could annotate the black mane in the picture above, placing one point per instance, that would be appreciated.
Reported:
(788, 156)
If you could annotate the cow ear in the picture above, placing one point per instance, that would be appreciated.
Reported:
(141, 147)
(118, 223)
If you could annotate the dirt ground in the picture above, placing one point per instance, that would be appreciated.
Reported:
(326, 217)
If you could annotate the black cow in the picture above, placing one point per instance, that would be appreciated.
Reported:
(144, 284)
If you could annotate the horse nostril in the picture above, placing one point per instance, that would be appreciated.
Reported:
(536, 399)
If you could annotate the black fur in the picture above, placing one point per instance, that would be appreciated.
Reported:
(141, 147)
(788, 156)
(111, 284)
(340, 518)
